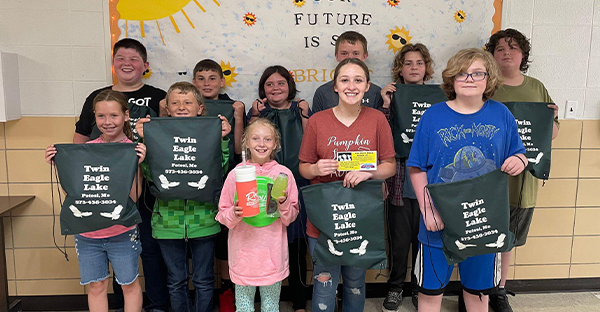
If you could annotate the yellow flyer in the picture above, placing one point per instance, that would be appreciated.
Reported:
(353, 161)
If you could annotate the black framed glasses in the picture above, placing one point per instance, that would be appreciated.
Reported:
(476, 76)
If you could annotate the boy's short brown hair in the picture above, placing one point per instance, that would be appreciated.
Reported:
(128, 43)
(185, 87)
(399, 61)
(351, 37)
(461, 61)
(207, 65)
(512, 35)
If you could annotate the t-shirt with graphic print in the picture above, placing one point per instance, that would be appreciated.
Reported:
(451, 146)
(325, 136)
(142, 102)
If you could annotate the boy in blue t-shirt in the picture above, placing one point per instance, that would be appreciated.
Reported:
(463, 138)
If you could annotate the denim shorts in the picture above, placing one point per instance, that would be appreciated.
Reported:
(122, 251)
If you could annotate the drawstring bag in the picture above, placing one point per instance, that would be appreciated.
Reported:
(350, 221)
(225, 109)
(475, 214)
(289, 124)
(184, 157)
(97, 179)
(535, 122)
(410, 102)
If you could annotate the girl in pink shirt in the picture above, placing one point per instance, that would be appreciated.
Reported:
(258, 256)
(118, 245)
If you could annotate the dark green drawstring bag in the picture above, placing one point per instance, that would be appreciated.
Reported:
(289, 124)
(535, 122)
(184, 157)
(225, 109)
(475, 214)
(350, 221)
(410, 102)
(97, 179)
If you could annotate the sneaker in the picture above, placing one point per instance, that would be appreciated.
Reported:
(499, 301)
(461, 303)
(415, 301)
(392, 301)
(227, 301)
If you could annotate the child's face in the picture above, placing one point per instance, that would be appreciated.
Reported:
(209, 83)
(261, 143)
(351, 84)
(508, 55)
(276, 89)
(471, 88)
(348, 50)
(183, 105)
(413, 68)
(110, 119)
(129, 65)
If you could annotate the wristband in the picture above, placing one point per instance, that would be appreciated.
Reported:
(524, 165)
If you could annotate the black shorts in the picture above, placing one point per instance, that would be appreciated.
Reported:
(520, 220)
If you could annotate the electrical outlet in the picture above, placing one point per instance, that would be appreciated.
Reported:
(571, 109)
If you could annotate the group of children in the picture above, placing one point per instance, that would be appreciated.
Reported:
(348, 109)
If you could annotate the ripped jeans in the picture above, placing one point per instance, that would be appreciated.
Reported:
(323, 298)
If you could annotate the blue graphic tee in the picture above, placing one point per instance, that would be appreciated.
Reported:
(451, 146)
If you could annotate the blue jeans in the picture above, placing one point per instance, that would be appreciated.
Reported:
(323, 298)
(174, 253)
(122, 251)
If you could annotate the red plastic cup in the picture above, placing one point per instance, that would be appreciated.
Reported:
(247, 192)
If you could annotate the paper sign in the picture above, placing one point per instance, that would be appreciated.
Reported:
(353, 161)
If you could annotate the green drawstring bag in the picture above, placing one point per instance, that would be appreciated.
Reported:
(97, 179)
(476, 215)
(350, 221)
(535, 122)
(289, 124)
(410, 102)
(184, 157)
(225, 109)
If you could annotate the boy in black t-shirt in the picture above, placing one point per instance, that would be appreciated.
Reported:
(129, 63)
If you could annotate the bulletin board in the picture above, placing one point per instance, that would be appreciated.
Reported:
(245, 37)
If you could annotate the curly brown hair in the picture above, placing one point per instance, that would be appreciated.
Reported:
(512, 35)
(399, 61)
(461, 61)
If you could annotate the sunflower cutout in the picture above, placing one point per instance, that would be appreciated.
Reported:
(460, 16)
(398, 38)
(393, 3)
(228, 73)
(147, 74)
(250, 19)
(299, 3)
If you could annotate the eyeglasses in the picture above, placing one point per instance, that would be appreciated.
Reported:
(476, 76)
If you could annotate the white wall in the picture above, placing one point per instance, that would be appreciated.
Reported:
(63, 51)
(63, 48)
(565, 39)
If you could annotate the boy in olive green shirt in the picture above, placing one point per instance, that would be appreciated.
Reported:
(511, 51)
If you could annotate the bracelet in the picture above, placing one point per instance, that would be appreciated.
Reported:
(524, 165)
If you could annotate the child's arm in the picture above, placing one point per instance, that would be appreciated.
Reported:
(136, 188)
(386, 94)
(139, 125)
(304, 112)
(385, 169)
(229, 213)
(431, 217)
(321, 168)
(555, 123)
(288, 203)
(257, 107)
(238, 116)
(49, 154)
(514, 164)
